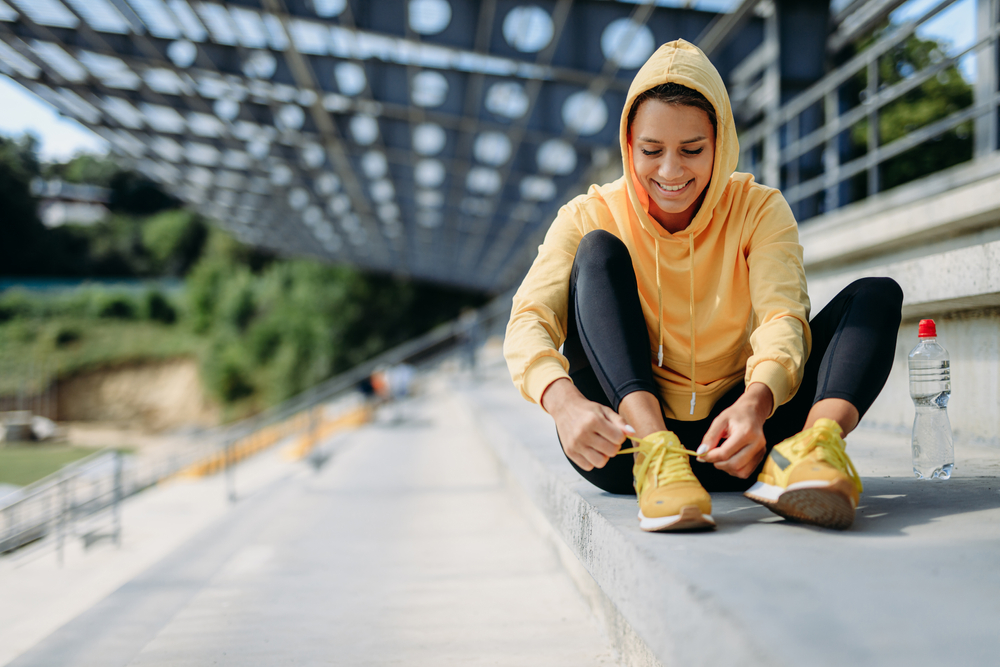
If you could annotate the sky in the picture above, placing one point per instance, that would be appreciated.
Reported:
(61, 138)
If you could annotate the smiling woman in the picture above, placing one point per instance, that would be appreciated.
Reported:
(670, 307)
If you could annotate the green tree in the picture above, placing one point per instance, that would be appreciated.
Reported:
(934, 99)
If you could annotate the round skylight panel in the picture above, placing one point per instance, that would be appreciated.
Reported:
(382, 191)
(430, 89)
(476, 206)
(225, 109)
(537, 188)
(312, 216)
(429, 173)
(258, 148)
(298, 198)
(388, 212)
(306, 97)
(364, 129)
(430, 198)
(350, 223)
(281, 175)
(429, 219)
(182, 53)
(327, 184)
(585, 113)
(483, 180)
(350, 78)
(556, 156)
(313, 155)
(339, 205)
(260, 65)
(627, 43)
(333, 244)
(290, 117)
(429, 139)
(429, 17)
(492, 148)
(374, 164)
(329, 8)
(528, 28)
(507, 99)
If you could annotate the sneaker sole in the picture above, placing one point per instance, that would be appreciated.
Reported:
(825, 504)
(689, 518)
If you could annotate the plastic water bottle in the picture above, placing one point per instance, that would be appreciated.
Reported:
(930, 388)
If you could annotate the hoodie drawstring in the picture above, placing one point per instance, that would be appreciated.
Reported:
(659, 312)
(659, 299)
(694, 394)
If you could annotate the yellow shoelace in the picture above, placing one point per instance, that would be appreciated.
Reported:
(826, 436)
(668, 468)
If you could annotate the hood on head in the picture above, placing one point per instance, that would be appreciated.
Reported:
(683, 63)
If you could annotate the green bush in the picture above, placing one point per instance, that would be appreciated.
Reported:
(159, 309)
(225, 371)
(66, 335)
(14, 304)
(117, 306)
(175, 239)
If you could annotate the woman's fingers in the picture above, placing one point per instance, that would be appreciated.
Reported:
(716, 432)
(743, 461)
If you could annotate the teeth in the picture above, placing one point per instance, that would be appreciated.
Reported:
(673, 188)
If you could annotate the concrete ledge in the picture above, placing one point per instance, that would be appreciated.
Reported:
(913, 582)
(960, 279)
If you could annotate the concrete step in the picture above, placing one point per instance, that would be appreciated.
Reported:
(913, 582)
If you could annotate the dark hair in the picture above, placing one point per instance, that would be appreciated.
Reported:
(674, 93)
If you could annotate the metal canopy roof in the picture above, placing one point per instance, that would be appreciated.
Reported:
(429, 138)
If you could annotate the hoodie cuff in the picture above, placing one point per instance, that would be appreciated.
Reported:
(774, 375)
(540, 375)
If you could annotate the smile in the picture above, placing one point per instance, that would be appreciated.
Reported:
(671, 190)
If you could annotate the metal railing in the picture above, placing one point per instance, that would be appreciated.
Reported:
(81, 499)
(802, 146)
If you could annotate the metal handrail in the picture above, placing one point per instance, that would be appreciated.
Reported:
(46, 506)
(781, 125)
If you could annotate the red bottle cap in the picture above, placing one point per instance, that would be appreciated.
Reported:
(927, 329)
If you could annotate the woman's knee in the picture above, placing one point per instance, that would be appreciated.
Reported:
(602, 251)
(885, 290)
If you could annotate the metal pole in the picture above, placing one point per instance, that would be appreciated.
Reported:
(871, 93)
(985, 133)
(60, 543)
(230, 473)
(118, 495)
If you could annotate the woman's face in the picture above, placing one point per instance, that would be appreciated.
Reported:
(673, 151)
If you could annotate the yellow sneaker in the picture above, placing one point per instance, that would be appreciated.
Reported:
(670, 496)
(809, 478)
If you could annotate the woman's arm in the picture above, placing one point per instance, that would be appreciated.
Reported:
(780, 343)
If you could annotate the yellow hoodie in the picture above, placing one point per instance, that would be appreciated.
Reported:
(724, 299)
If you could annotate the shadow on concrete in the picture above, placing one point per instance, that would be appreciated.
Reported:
(889, 506)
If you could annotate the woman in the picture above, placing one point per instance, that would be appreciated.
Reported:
(678, 296)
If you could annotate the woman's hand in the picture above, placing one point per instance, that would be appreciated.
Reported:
(590, 433)
(741, 426)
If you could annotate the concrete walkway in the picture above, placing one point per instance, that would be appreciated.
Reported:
(915, 581)
(405, 548)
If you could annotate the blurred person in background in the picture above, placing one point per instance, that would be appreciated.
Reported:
(670, 307)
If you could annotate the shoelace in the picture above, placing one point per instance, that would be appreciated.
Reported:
(668, 468)
(827, 438)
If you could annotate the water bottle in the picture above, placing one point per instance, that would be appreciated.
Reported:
(930, 388)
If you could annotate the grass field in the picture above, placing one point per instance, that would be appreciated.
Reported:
(22, 464)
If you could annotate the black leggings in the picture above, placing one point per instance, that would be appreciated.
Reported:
(853, 344)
